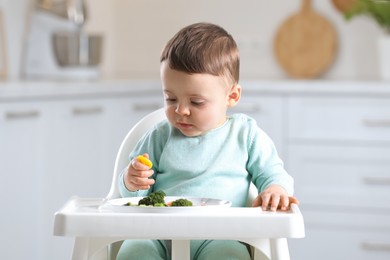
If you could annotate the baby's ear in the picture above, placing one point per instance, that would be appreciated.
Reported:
(234, 95)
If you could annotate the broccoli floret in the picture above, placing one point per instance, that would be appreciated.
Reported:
(145, 201)
(181, 203)
(153, 199)
(157, 197)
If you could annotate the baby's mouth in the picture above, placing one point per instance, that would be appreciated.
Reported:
(184, 125)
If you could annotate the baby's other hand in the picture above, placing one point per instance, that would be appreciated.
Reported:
(274, 197)
(137, 175)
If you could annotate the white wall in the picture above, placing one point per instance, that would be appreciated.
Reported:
(140, 28)
(136, 30)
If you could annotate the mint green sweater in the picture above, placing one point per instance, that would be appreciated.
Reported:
(220, 164)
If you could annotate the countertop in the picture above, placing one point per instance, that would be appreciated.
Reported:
(20, 90)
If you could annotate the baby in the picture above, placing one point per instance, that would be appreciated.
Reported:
(200, 151)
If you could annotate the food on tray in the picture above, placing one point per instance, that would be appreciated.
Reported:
(145, 161)
(156, 199)
(181, 203)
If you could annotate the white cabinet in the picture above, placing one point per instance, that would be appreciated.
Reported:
(329, 119)
(339, 154)
(341, 177)
(342, 235)
(23, 128)
(78, 160)
(52, 149)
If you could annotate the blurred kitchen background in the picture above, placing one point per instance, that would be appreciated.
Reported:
(76, 75)
(133, 33)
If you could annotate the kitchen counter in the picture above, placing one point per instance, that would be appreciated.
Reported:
(48, 89)
(68, 89)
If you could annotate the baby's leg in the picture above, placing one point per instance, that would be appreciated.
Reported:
(143, 249)
(219, 250)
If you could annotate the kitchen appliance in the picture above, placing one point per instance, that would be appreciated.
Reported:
(57, 46)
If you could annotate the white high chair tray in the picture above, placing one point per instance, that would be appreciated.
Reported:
(83, 217)
(94, 228)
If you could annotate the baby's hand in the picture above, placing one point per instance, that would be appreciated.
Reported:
(274, 197)
(138, 173)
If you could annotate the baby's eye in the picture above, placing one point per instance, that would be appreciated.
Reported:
(170, 100)
(197, 102)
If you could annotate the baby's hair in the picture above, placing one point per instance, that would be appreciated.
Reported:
(203, 48)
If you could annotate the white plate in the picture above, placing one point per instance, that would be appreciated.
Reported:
(118, 205)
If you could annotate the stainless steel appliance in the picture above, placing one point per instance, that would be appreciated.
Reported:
(57, 46)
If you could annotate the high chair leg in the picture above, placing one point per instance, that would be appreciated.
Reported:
(80, 249)
(279, 249)
(86, 248)
(180, 249)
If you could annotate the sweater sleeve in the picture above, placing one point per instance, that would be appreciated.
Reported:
(264, 163)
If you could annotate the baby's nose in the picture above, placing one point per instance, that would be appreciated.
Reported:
(182, 109)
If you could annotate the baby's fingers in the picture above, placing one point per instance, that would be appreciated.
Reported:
(284, 202)
(264, 201)
(142, 183)
(274, 202)
(138, 180)
(293, 200)
(275, 199)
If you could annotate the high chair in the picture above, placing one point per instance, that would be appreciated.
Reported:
(98, 233)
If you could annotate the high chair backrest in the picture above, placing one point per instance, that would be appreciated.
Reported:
(131, 139)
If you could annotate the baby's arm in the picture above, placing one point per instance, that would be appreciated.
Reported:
(274, 196)
(137, 175)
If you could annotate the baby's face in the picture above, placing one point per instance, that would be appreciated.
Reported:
(194, 103)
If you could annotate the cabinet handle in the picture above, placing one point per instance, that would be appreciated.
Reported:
(146, 107)
(248, 108)
(80, 111)
(376, 122)
(372, 180)
(14, 115)
(373, 246)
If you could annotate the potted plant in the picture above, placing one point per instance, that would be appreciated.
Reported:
(379, 10)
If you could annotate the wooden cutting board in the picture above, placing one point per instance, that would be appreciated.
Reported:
(344, 5)
(305, 45)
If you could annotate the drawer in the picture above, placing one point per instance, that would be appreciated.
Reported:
(338, 243)
(333, 118)
(341, 176)
(340, 236)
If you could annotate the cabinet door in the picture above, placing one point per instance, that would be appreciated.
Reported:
(83, 143)
(23, 127)
(268, 112)
(334, 119)
(76, 164)
(340, 236)
(341, 177)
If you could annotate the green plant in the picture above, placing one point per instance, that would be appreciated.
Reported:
(379, 10)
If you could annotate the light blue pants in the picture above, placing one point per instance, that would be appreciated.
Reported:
(200, 250)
